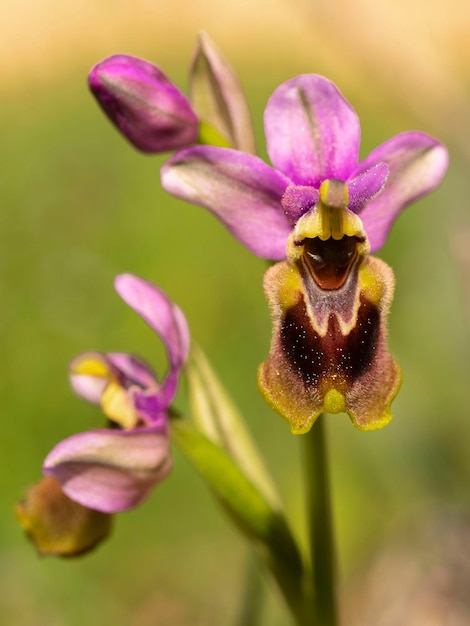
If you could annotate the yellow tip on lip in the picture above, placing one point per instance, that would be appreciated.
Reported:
(334, 402)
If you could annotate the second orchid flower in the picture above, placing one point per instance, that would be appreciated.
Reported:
(114, 469)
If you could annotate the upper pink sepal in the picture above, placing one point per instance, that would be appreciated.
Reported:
(239, 189)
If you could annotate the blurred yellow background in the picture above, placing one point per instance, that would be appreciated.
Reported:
(79, 205)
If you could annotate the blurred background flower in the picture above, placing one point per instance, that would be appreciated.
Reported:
(79, 205)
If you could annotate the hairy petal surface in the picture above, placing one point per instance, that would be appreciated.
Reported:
(329, 352)
(165, 318)
(297, 200)
(312, 132)
(110, 470)
(148, 109)
(417, 164)
(363, 187)
(239, 189)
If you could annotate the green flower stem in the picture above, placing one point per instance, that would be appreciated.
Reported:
(320, 525)
(251, 606)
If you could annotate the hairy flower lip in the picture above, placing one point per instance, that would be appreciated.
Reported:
(328, 352)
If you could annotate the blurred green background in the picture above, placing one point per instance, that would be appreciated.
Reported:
(79, 205)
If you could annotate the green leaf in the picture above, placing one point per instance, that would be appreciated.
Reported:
(217, 416)
(217, 96)
(247, 507)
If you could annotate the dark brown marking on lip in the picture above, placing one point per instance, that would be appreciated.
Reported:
(315, 358)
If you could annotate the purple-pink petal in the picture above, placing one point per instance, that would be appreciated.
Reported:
(417, 164)
(148, 109)
(165, 318)
(110, 470)
(239, 189)
(364, 186)
(312, 132)
(150, 406)
(297, 200)
(126, 368)
(132, 370)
